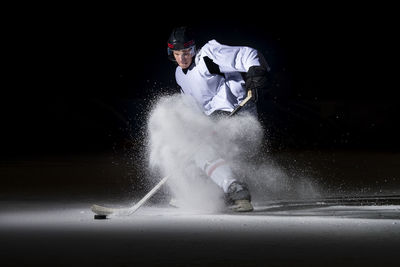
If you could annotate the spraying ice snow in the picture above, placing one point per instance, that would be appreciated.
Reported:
(182, 138)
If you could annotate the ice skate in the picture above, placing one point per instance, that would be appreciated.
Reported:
(238, 197)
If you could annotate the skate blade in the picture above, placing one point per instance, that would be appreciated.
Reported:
(242, 206)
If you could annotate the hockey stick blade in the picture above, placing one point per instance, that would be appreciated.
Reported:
(103, 210)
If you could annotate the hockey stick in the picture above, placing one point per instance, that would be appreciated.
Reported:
(102, 210)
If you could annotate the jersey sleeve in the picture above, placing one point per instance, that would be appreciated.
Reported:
(231, 58)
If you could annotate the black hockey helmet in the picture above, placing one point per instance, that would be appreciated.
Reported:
(181, 38)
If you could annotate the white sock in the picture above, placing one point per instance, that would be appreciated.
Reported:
(220, 172)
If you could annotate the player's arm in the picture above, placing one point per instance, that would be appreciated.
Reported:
(240, 59)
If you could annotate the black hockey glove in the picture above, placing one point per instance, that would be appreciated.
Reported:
(256, 79)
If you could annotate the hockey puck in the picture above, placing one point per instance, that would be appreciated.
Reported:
(100, 217)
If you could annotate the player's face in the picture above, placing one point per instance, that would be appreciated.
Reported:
(183, 58)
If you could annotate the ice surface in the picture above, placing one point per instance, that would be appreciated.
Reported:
(66, 234)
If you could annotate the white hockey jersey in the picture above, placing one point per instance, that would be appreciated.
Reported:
(223, 91)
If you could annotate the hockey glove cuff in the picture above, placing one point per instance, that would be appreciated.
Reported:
(256, 79)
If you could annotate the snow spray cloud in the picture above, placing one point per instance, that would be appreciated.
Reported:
(180, 136)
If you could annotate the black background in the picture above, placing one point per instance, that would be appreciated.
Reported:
(73, 79)
(81, 80)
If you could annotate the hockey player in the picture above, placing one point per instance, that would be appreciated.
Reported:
(218, 77)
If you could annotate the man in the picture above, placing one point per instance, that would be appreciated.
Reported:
(218, 78)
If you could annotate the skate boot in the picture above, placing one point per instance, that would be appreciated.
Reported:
(238, 197)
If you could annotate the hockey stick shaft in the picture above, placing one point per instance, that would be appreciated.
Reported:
(148, 195)
(241, 104)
